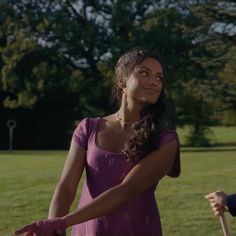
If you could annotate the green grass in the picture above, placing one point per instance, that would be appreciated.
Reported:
(182, 205)
(218, 135)
(27, 183)
(28, 180)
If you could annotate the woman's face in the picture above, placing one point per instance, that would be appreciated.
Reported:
(145, 82)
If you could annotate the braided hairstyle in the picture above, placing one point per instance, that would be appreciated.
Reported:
(145, 133)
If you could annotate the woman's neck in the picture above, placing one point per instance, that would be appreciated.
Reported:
(128, 116)
(129, 112)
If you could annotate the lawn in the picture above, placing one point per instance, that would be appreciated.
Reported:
(182, 205)
(217, 135)
(28, 180)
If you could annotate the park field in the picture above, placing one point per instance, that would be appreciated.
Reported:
(28, 179)
(218, 135)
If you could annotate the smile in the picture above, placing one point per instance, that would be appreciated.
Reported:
(151, 90)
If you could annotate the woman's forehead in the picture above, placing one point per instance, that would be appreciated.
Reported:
(151, 64)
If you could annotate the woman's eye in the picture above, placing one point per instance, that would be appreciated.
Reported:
(159, 78)
(145, 73)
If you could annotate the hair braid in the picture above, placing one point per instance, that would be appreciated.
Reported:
(145, 132)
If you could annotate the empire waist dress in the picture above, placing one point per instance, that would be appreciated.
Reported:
(104, 170)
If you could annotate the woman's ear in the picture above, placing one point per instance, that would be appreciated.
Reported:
(121, 85)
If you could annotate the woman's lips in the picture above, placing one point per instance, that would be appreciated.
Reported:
(151, 90)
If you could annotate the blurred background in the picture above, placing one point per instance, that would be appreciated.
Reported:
(57, 62)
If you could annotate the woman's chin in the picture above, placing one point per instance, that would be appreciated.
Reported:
(148, 100)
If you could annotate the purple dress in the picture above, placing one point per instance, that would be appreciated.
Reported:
(106, 169)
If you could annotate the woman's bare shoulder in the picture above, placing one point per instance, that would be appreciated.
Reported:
(111, 117)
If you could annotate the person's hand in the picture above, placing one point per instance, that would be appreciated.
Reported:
(51, 227)
(218, 202)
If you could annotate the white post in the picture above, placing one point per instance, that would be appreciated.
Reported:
(11, 125)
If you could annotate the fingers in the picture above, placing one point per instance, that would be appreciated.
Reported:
(44, 228)
(210, 195)
(214, 194)
(218, 196)
(217, 208)
(27, 229)
(217, 202)
(29, 234)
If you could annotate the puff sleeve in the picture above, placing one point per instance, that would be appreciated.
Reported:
(80, 134)
(166, 137)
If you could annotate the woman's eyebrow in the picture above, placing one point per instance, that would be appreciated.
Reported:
(144, 67)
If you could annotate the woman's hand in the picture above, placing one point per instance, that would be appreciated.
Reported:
(218, 202)
(51, 227)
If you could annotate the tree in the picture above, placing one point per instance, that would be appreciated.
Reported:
(207, 95)
(75, 34)
(63, 52)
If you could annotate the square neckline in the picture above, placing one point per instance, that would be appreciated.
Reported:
(95, 140)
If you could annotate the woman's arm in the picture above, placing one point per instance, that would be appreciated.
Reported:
(65, 191)
(143, 175)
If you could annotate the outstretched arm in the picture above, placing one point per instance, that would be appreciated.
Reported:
(143, 175)
(63, 197)
(65, 191)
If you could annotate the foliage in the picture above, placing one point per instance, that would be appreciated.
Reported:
(204, 96)
(65, 52)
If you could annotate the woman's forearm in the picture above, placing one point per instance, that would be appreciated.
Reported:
(158, 163)
(61, 202)
(101, 205)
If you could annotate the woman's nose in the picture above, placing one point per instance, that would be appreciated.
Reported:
(154, 80)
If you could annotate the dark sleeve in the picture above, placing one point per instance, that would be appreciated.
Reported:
(231, 204)
(166, 137)
(80, 134)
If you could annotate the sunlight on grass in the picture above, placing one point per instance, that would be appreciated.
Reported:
(28, 180)
(217, 135)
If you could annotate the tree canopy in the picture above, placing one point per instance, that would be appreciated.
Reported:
(64, 52)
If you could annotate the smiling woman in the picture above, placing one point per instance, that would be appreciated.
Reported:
(139, 78)
(125, 154)
(146, 81)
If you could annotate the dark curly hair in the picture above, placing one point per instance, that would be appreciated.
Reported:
(145, 133)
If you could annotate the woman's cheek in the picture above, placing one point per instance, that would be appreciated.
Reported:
(132, 84)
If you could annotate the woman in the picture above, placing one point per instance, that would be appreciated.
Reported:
(125, 155)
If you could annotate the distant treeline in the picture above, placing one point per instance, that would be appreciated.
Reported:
(57, 63)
